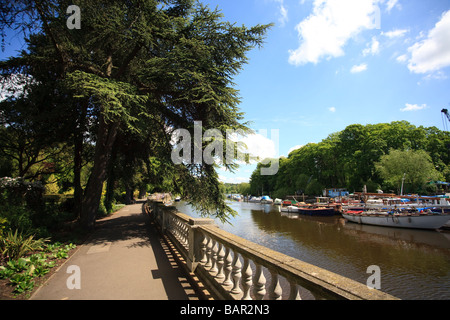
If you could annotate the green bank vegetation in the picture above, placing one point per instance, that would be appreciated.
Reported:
(378, 156)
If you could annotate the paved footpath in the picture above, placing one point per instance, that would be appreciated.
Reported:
(124, 259)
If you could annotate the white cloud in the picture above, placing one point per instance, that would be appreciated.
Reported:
(332, 109)
(402, 58)
(259, 146)
(373, 49)
(295, 148)
(414, 107)
(325, 32)
(433, 53)
(359, 68)
(391, 4)
(395, 33)
(284, 15)
(284, 18)
(233, 179)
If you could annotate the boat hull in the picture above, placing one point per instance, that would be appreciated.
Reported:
(397, 221)
(317, 212)
(290, 209)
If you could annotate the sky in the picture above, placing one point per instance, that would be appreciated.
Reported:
(327, 64)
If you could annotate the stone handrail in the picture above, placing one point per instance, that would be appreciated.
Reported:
(233, 268)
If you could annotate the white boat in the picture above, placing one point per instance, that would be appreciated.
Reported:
(294, 209)
(412, 221)
(266, 200)
(254, 199)
(390, 201)
(277, 202)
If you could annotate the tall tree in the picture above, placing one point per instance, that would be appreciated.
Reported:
(136, 64)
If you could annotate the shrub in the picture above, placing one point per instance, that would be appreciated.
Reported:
(18, 191)
(15, 245)
(17, 217)
(22, 272)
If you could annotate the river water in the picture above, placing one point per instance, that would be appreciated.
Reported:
(414, 264)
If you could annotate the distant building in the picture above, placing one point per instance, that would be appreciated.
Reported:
(334, 193)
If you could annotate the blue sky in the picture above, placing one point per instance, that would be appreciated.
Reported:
(327, 64)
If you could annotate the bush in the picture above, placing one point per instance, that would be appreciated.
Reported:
(18, 191)
(22, 272)
(15, 245)
(17, 217)
(3, 224)
(314, 188)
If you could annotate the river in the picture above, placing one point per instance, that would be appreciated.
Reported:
(414, 264)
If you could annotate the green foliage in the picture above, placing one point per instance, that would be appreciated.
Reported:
(3, 224)
(134, 69)
(358, 156)
(240, 188)
(16, 245)
(116, 98)
(22, 272)
(415, 167)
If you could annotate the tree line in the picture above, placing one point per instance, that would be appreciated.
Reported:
(378, 156)
(92, 109)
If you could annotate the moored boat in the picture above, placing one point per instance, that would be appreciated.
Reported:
(430, 220)
(324, 206)
(317, 211)
(293, 209)
(266, 200)
(277, 202)
(254, 199)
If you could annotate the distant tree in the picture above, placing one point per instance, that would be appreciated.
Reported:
(347, 159)
(415, 167)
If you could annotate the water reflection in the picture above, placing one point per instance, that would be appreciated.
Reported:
(415, 264)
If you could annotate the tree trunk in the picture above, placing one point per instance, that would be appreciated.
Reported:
(111, 181)
(129, 198)
(77, 165)
(92, 194)
(78, 159)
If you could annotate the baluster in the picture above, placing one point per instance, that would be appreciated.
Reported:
(176, 228)
(173, 226)
(182, 237)
(294, 293)
(236, 274)
(208, 263)
(185, 235)
(203, 249)
(220, 262)
(259, 283)
(214, 257)
(228, 267)
(275, 290)
(246, 279)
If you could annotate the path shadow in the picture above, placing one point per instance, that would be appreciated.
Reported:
(134, 228)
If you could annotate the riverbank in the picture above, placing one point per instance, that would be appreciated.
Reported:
(414, 264)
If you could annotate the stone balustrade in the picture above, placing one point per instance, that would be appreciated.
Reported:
(233, 268)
